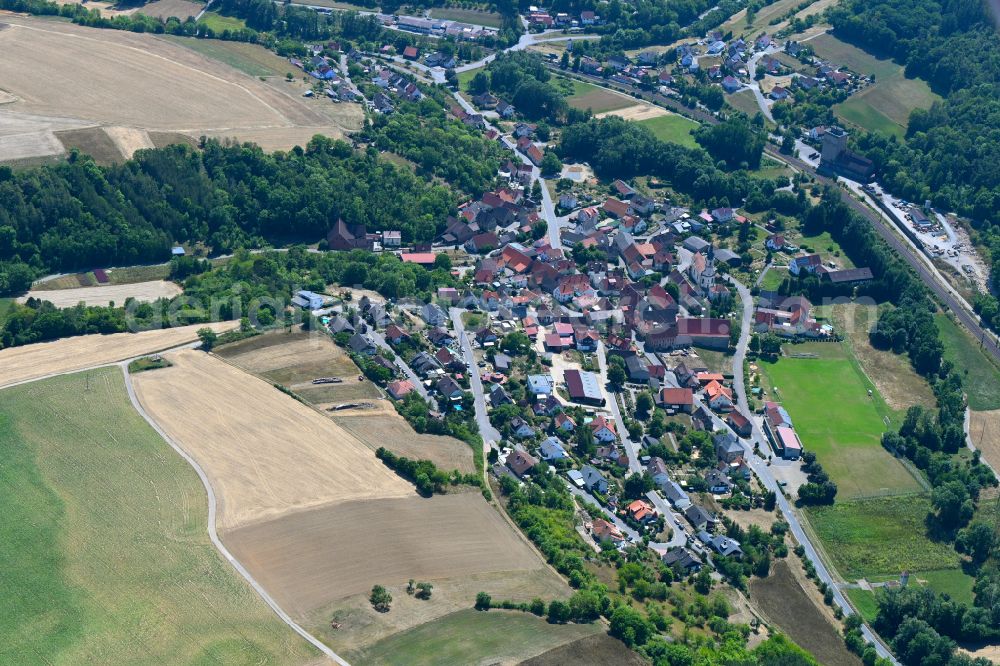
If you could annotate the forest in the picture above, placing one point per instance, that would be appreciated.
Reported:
(255, 286)
(951, 153)
(616, 148)
(78, 215)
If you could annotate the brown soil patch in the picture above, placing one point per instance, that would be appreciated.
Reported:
(129, 139)
(984, 430)
(309, 559)
(290, 358)
(265, 453)
(591, 651)
(989, 652)
(783, 602)
(759, 517)
(93, 141)
(636, 113)
(394, 433)
(19, 364)
(141, 291)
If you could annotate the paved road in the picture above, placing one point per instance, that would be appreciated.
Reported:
(680, 536)
(631, 448)
(763, 471)
(755, 85)
(490, 434)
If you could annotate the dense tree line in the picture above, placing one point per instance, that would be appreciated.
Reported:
(951, 153)
(734, 142)
(424, 474)
(616, 148)
(257, 286)
(78, 215)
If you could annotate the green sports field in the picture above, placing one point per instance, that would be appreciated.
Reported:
(103, 543)
(834, 416)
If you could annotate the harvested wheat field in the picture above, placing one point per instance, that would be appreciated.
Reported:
(112, 293)
(636, 112)
(290, 358)
(265, 453)
(984, 431)
(140, 82)
(20, 364)
(309, 559)
(394, 433)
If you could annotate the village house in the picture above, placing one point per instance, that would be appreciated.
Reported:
(604, 430)
(641, 512)
(678, 399)
(552, 450)
(594, 480)
(400, 388)
(521, 462)
(602, 530)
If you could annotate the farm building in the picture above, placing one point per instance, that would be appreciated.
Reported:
(584, 387)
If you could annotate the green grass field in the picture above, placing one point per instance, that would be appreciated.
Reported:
(828, 401)
(248, 58)
(220, 23)
(954, 582)
(842, 54)
(981, 376)
(673, 128)
(886, 105)
(586, 96)
(881, 536)
(761, 20)
(745, 101)
(5, 304)
(489, 19)
(464, 78)
(865, 603)
(103, 544)
(473, 637)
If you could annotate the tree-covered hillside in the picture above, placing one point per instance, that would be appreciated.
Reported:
(79, 215)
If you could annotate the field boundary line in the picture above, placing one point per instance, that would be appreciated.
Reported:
(213, 534)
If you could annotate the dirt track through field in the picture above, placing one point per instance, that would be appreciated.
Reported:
(311, 558)
(117, 293)
(20, 364)
(265, 453)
